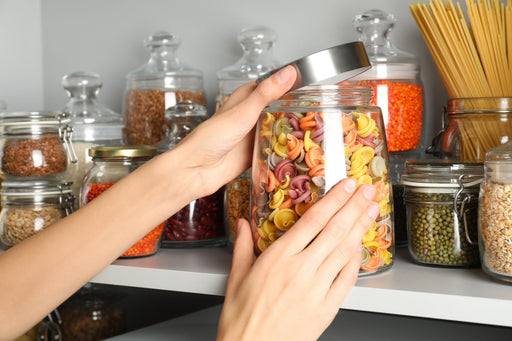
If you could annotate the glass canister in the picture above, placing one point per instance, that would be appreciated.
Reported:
(495, 220)
(441, 198)
(156, 86)
(306, 142)
(35, 145)
(111, 164)
(395, 79)
(93, 313)
(201, 222)
(257, 43)
(93, 123)
(476, 125)
(30, 206)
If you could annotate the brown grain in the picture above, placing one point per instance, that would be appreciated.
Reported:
(20, 224)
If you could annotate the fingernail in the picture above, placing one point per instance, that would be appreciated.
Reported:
(360, 247)
(283, 75)
(369, 192)
(350, 185)
(373, 210)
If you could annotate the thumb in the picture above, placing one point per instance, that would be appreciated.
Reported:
(243, 255)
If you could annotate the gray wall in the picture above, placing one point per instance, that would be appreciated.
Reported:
(106, 37)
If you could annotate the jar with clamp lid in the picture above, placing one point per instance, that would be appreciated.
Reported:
(306, 142)
(156, 86)
(441, 199)
(111, 164)
(494, 219)
(30, 206)
(35, 145)
(200, 223)
(93, 123)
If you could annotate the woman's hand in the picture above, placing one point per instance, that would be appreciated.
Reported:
(296, 286)
(222, 146)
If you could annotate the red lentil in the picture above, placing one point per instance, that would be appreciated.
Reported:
(144, 247)
(405, 112)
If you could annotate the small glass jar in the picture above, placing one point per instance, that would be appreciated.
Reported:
(441, 198)
(476, 125)
(395, 79)
(201, 222)
(237, 202)
(495, 220)
(111, 164)
(156, 86)
(93, 124)
(306, 142)
(35, 145)
(93, 313)
(30, 206)
(257, 43)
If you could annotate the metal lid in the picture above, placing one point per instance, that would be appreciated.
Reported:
(33, 118)
(122, 151)
(442, 173)
(329, 66)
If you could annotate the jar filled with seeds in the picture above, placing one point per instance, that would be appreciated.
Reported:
(93, 123)
(495, 219)
(35, 145)
(306, 142)
(156, 86)
(441, 199)
(201, 222)
(111, 164)
(30, 206)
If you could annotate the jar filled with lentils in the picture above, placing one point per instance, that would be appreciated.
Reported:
(495, 218)
(201, 222)
(441, 199)
(111, 164)
(31, 206)
(156, 86)
(35, 145)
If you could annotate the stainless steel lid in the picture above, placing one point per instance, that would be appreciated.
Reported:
(329, 66)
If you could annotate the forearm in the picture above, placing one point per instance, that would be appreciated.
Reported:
(40, 273)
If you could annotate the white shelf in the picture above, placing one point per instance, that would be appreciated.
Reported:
(465, 295)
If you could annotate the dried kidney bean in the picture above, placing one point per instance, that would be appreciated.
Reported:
(19, 157)
(201, 219)
(145, 121)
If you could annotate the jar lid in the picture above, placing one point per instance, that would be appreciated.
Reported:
(33, 118)
(442, 173)
(124, 151)
(500, 153)
(329, 66)
(28, 188)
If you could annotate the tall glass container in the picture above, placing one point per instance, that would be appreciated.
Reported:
(305, 143)
(257, 43)
(398, 91)
(93, 123)
(156, 86)
(495, 220)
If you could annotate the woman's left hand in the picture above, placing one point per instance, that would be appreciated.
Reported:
(222, 146)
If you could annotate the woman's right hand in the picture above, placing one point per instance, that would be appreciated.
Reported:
(296, 286)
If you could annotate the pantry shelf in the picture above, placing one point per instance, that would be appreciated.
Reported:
(465, 295)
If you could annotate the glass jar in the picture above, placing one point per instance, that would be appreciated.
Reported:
(35, 145)
(30, 206)
(441, 198)
(111, 164)
(395, 79)
(92, 314)
(306, 142)
(201, 222)
(257, 43)
(495, 221)
(93, 124)
(476, 125)
(237, 202)
(156, 86)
